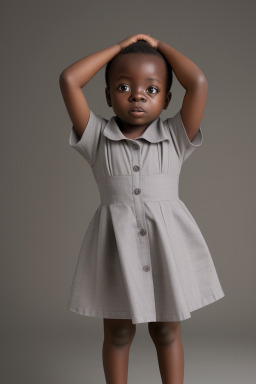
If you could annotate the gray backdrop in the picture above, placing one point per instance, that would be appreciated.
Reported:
(49, 193)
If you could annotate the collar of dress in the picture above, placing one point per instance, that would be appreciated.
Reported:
(154, 133)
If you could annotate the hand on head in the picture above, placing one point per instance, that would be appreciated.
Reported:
(134, 38)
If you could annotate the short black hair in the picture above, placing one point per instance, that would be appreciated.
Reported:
(142, 46)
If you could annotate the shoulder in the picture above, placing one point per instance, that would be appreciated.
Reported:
(88, 143)
(169, 122)
(175, 129)
(96, 120)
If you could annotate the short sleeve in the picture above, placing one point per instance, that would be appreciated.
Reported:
(88, 144)
(184, 147)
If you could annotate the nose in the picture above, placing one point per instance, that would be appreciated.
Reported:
(137, 95)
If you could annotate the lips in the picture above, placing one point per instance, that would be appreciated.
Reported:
(136, 109)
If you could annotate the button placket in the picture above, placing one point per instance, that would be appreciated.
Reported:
(142, 232)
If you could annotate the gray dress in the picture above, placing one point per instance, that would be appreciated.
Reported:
(143, 256)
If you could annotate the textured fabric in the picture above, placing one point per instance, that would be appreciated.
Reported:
(143, 256)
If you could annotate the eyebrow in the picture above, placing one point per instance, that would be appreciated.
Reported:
(148, 78)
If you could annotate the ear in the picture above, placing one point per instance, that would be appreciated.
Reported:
(167, 100)
(108, 97)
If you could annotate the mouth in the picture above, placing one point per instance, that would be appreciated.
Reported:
(137, 111)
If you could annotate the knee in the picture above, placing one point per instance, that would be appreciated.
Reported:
(164, 333)
(121, 335)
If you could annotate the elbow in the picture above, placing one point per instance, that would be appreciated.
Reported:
(64, 77)
(64, 82)
(201, 81)
(200, 84)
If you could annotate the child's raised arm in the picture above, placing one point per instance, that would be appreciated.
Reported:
(193, 80)
(77, 75)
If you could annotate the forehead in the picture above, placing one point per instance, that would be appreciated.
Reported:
(137, 65)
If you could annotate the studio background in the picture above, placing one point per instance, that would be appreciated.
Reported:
(50, 195)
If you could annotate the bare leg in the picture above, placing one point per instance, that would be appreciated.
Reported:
(170, 354)
(118, 336)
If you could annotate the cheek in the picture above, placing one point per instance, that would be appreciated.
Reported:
(120, 98)
(158, 101)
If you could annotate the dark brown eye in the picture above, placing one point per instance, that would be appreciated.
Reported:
(122, 87)
(154, 88)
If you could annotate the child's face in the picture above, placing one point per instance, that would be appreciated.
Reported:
(129, 86)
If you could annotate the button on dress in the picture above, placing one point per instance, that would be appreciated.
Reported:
(143, 256)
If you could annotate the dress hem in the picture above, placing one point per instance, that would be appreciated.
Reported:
(151, 316)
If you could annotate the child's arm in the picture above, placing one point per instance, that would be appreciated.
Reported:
(193, 80)
(73, 78)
